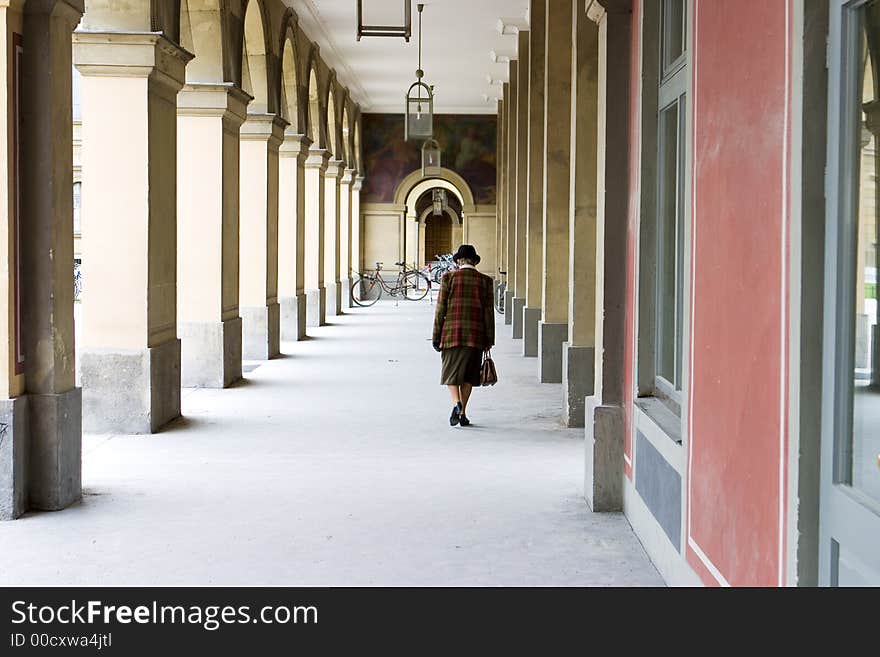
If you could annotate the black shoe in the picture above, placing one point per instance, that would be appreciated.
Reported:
(455, 418)
(463, 421)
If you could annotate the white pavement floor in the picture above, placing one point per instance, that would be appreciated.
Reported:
(336, 465)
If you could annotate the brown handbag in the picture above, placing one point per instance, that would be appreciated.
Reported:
(488, 374)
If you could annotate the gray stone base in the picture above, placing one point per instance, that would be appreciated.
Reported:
(518, 305)
(508, 307)
(14, 457)
(293, 318)
(130, 390)
(334, 300)
(55, 467)
(578, 366)
(316, 307)
(261, 332)
(210, 353)
(603, 456)
(531, 318)
(550, 339)
(345, 293)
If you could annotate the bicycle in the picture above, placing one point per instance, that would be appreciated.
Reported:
(370, 285)
(500, 291)
(441, 265)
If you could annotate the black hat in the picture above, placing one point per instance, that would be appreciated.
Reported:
(466, 251)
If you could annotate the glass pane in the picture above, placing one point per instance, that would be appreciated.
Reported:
(668, 299)
(865, 448)
(673, 34)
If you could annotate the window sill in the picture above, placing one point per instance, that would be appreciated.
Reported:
(658, 412)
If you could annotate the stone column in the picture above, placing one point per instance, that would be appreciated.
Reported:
(316, 295)
(553, 329)
(131, 357)
(502, 190)
(499, 192)
(510, 203)
(261, 137)
(578, 353)
(41, 438)
(603, 487)
(345, 236)
(356, 224)
(209, 117)
(522, 186)
(332, 177)
(291, 236)
(535, 206)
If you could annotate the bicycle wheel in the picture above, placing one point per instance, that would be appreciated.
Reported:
(415, 286)
(365, 291)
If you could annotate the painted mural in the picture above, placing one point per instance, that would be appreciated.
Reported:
(468, 143)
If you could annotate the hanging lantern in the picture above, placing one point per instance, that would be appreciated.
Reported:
(404, 30)
(431, 165)
(440, 201)
(419, 111)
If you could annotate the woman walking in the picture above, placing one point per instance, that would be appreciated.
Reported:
(464, 327)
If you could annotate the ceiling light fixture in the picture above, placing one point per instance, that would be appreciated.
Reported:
(419, 112)
(404, 30)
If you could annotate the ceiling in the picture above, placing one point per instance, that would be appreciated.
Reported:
(460, 40)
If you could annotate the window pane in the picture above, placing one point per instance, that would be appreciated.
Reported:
(865, 448)
(672, 36)
(668, 298)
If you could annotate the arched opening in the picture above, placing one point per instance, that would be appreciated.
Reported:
(254, 67)
(346, 140)
(331, 124)
(289, 85)
(201, 33)
(314, 110)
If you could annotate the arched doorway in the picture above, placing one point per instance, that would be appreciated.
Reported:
(438, 236)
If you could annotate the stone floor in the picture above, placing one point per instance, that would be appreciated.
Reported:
(336, 465)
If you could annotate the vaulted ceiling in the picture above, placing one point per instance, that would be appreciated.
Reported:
(465, 48)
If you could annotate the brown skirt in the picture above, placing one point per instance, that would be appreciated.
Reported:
(461, 365)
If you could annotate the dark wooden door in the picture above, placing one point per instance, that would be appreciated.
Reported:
(438, 236)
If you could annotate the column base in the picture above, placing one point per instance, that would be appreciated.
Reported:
(14, 458)
(130, 390)
(345, 293)
(261, 332)
(293, 318)
(578, 364)
(508, 307)
(316, 307)
(531, 318)
(210, 353)
(333, 293)
(55, 468)
(550, 339)
(517, 319)
(603, 456)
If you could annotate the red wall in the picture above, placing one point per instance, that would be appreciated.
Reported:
(738, 359)
(736, 431)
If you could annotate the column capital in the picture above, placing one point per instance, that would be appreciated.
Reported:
(71, 9)
(318, 159)
(348, 176)
(335, 169)
(872, 116)
(607, 7)
(297, 146)
(131, 54)
(264, 127)
(223, 99)
(358, 183)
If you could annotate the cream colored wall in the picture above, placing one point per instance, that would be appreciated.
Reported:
(382, 235)
(479, 230)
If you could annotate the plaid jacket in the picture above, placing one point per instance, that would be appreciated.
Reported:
(465, 315)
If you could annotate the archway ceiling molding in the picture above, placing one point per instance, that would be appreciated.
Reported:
(466, 49)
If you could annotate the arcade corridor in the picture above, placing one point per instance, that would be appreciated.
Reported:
(336, 465)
